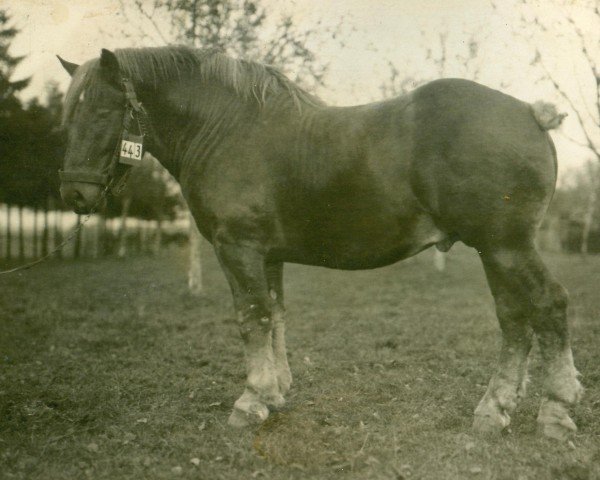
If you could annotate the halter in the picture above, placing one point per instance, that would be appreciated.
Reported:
(128, 151)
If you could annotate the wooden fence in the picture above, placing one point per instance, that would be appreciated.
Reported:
(29, 234)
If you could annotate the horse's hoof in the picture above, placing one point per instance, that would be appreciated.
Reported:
(559, 431)
(275, 401)
(490, 425)
(250, 415)
(554, 421)
(284, 381)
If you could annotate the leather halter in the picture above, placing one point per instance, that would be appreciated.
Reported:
(134, 111)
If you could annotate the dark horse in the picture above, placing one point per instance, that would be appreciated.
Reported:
(273, 175)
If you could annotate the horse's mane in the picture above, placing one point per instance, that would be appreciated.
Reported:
(248, 79)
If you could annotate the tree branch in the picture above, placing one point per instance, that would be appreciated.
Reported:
(563, 94)
(150, 18)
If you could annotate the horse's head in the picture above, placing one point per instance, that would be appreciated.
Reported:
(93, 119)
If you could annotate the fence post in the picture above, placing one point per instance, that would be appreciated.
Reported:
(122, 249)
(45, 235)
(158, 236)
(34, 249)
(58, 221)
(8, 233)
(140, 232)
(2, 241)
(77, 249)
(101, 234)
(21, 235)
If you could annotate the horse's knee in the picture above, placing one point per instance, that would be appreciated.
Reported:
(551, 315)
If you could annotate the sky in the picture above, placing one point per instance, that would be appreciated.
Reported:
(373, 33)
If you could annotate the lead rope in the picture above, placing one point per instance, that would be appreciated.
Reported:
(70, 237)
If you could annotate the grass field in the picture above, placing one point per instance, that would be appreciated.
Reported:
(109, 370)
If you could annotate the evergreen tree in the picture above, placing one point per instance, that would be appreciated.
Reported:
(9, 103)
(12, 116)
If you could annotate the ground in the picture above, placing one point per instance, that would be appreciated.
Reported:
(110, 370)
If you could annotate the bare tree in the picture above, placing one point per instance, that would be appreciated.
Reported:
(242, 28)
(571, 29)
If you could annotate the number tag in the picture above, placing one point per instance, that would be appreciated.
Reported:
(132, 149)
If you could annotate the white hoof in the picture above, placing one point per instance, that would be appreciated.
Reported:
(554, 421)
(248, 414)
(490, 424)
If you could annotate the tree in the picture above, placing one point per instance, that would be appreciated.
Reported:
(571, 30)
(571, 206)
(241, 28)
(11, 111)
(8, 63)
(441, 58)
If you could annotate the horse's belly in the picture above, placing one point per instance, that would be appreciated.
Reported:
(355, 247)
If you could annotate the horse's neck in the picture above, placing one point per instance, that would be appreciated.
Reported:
(188, 121)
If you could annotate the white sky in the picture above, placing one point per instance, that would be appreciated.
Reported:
(374, 32)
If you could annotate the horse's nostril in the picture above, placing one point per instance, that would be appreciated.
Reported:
(72, 196)
(78, 198)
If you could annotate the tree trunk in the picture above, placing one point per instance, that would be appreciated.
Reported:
(195, 268)
(21, 234)
(588, 218)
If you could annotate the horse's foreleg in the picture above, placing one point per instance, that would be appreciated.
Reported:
(527, 298)
(244, 268)
(275, 282)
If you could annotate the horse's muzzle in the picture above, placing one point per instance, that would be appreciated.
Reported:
(81, 197)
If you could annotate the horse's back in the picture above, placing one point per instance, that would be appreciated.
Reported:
(481, 164)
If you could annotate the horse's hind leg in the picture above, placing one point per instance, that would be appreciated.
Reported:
(244, 268)
(508, 382)
(282, 368)
(528, 298)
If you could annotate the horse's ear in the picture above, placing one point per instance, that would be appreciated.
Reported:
(68, 66)
(109, 65)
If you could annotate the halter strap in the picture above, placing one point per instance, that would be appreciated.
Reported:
(133, 110)
(82, 176)
(131, 96)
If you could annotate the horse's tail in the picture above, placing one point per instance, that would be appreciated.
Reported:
(546, 115)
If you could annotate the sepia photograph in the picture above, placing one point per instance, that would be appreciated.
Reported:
(300, 239)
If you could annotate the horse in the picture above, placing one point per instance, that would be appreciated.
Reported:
(272, 175)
